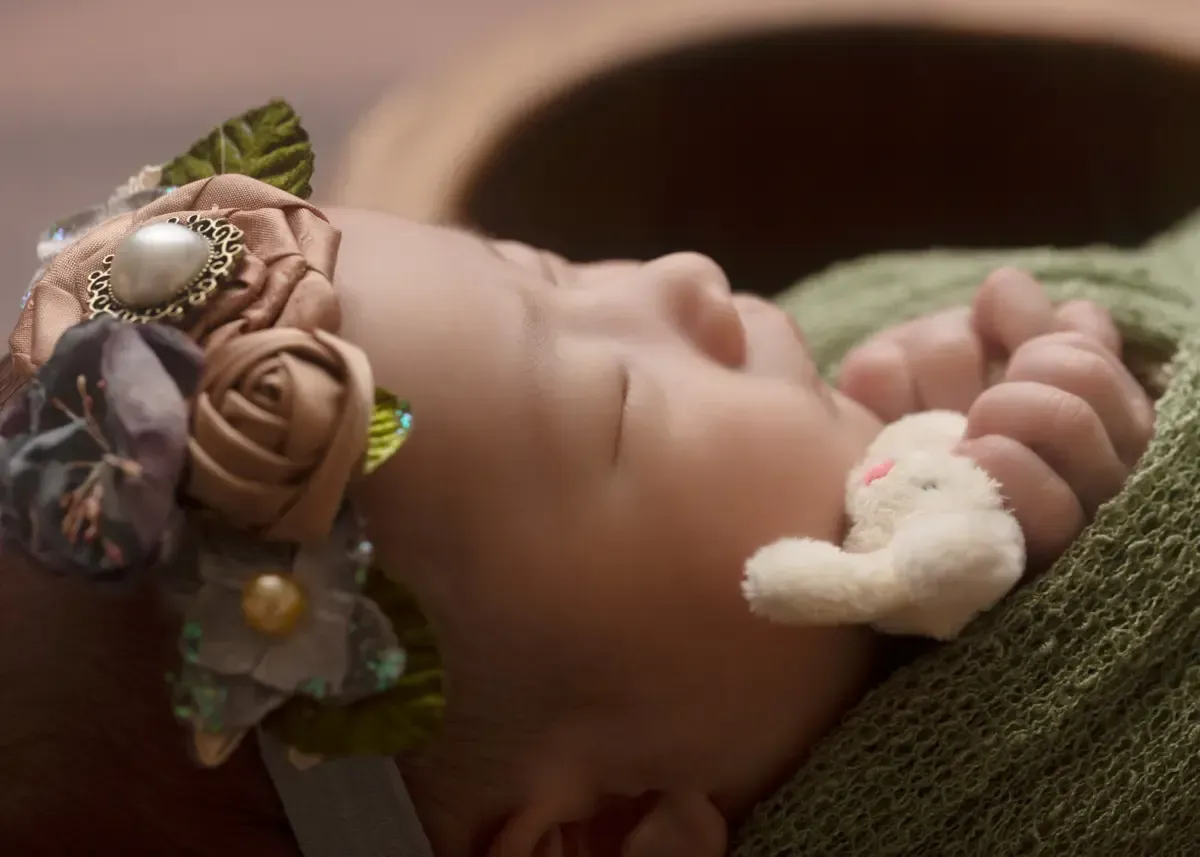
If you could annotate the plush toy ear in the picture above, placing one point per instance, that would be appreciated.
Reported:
(810, 582)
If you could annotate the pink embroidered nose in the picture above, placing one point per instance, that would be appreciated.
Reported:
(879, 471)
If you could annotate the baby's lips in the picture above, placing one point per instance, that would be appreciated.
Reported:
(878, 471)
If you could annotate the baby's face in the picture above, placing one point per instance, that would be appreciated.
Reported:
(596, 453)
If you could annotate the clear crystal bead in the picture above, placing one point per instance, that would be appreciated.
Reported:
(65, 232)
(41, 272)
(147, 178)
(134, 201)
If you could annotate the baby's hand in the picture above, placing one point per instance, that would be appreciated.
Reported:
(945, 360)
(1060, 433)
(1061, 427)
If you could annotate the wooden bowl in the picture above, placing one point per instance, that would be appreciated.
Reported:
(780, 135)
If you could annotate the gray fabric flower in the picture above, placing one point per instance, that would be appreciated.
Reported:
(342, 648)
(93, 450)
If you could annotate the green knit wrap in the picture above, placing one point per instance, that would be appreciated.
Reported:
(1067, 720)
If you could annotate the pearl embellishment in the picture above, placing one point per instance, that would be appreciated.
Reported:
(157, 263)
(273, 604)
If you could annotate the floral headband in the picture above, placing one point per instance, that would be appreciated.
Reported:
(181, 413)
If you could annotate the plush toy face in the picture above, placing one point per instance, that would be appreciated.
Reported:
(883, 495)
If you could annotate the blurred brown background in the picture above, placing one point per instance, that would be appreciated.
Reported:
(780, 136)
(90, 90)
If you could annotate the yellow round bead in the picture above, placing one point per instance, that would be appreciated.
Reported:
(273, 603)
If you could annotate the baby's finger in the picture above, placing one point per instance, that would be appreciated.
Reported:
(878, 377)
(946, 361)
(1010, 308)
(1090, 319)
(1080, 365)
(1043, 504)
(1060, 427)
(939, 354)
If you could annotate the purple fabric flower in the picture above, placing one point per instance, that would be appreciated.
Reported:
(92, 452)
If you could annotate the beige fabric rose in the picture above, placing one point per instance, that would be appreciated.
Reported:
(285, 278)
(279, 429)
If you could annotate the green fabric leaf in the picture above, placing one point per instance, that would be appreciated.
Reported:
(391, 424)
(393, 722)
(266, 143)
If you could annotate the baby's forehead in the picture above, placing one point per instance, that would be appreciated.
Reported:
(436, 310)
(408, 271)
(373, 240)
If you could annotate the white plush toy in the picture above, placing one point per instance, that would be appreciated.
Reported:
(930, 544)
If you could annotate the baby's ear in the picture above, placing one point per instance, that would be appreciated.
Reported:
(675, 825)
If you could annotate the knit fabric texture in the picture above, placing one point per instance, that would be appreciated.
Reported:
(1067, 720)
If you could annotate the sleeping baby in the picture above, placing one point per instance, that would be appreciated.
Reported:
(597, 451)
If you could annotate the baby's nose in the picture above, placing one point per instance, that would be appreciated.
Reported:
(693, 293)
(691, 271)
